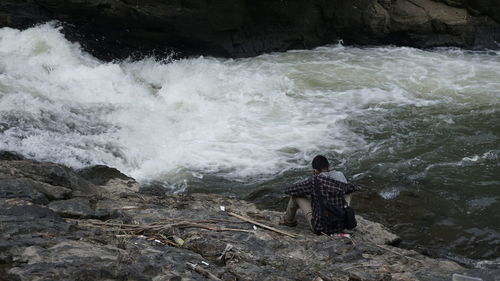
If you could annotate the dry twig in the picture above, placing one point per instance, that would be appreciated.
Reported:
(203, 272)
(156, 227)
(392, 251)
(262, 225)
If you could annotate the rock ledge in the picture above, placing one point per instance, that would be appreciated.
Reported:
(56, 225)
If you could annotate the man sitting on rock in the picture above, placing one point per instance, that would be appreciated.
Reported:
(328, 186)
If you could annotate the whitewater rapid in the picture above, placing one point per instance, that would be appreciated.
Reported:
(239, 118)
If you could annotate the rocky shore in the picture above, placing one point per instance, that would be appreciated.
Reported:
(116, 29)
(99, 224)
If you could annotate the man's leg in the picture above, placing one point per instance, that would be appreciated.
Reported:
(348, 199)
(305, 206)
(291, 210)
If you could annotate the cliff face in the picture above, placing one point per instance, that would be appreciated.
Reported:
(238, 28)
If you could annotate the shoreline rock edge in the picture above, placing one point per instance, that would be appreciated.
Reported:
(97, 232)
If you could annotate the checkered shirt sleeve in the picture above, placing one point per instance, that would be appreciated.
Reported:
(301, 189)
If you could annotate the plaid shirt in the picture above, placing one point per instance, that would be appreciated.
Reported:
(330, 189)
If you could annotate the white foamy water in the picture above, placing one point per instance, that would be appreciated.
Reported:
(235, 118)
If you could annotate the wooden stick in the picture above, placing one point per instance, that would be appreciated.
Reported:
(197, 221)
(122, 228)
(164, 240)
(157, 227)
(364, 265)
(392, 251)
(203, 272)
(108, 223)
(129, 207)
(262, 225)
(188, 225)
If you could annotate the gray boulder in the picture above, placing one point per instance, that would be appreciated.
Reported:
(10, 155)
(22, 189)
(427, 23)
(47, 173)
(101, 174)
(37, 192)
(486, 7)
(110, 179)
(73, 208)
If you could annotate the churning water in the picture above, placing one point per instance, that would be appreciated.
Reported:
(419, 129)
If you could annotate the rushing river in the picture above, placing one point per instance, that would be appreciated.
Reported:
(419, 130)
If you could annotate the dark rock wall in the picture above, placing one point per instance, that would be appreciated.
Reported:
(20, 13)
(238, 28)
(229, 28)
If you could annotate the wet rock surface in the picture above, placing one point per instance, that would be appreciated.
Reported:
(106, 235)
(240, 28)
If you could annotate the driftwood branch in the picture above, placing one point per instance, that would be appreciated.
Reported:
(156, 228)
(392, 251)
(163, 239)
(262, 225)
(363, 265)
(203, 272)
(188, 225)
